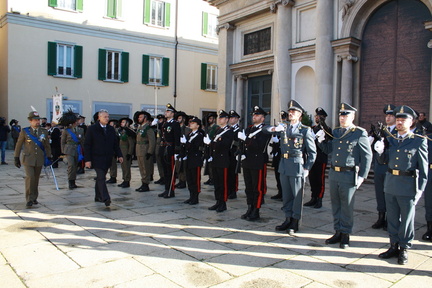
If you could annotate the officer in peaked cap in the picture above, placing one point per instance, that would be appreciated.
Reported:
(276, 153)
(127, 147)
(36, 148)
(210, 128)
(254, 163)
(220, 159)
(182, 118)
(297, 143)
(317, 172)
(234, 118)
(169, 150)
(406, 178)
(380, 170)
(351, 157)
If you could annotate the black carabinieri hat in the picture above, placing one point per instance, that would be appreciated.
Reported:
(321, 112)
(196, 120)
(233, 113)
(258, 111)
(223, 114)
(169, 107)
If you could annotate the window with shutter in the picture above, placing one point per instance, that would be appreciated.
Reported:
(209, 25)
(208, 77)
(157, 13)
(64, 60)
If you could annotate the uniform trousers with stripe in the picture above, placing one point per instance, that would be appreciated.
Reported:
(220, 180)
(169, 165)
(292, 195)
(256, 186)
(232, 175)
(317, 179)
(193, 179)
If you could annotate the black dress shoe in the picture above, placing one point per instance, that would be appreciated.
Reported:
(254, 215)
(35, 202)
(163, 194)
(29, 204)
(248, 212)
(380, 222)
(124, 184)
(318, 204)
(336, 238)
(222, 207)
(344, 243)
(284, 226)
(72, 184)
(293, 227)
(311, 202)
(403, 256)
(277, 196)
(98, 199)
(160, 181)
(143, 188)
(214, 207)
(181, 185)
(187, 201)
(169, 195)
(112, 180)
(393, 251)
(108, 202)
(232, 195)
(209, 182)
(193, 202)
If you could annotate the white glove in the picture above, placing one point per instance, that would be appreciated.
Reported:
(305, 173)
(154, 122)
(359, 181)
(275, 139)
(207, 140)
(371, 139)
(279, 128)
(184, 158)
(379, 146)
(176, 157)
(183, 139)
(243, 157)
(210, 159)
(320, 136)
(417, 196)
(241, 135)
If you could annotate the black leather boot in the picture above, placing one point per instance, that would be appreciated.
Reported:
(393, 251)
(143, 188)
(311, 202)
(214, 207)
(254, 215)
(232, 195)
(380, 222)
(293, 227)
(139, 188)
(160, 181)
(336, 238)
(181, 185)
(72, 184)
(249, 210)
(344, 243)
(278, 196)
(318, 203)
(222, 207)
(428, 235)
(284, 226)
(112, 180)
(403, 256)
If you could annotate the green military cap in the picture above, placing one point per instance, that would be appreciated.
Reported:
(294, 105)
(33, 115)
(405, 112)
(389, 109)
(345, 109)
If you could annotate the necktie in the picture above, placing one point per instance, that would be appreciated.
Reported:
(343, 130)
(400, 139)
(290, 129)
(105, 130)
(35, 132)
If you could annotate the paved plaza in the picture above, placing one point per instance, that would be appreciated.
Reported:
(142, 240)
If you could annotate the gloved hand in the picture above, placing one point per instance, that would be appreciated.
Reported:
(275, 139)
(241, 135)
(148, 156)
(243, 157)
(210, 159)
(279, 128)
(176, 157)
(417, 196)
(305, 173)
(379, 147)
(17, 162)
(371, 139)
(207, 140)
(320, 136)
(183, 139)
(359, 181)
(184, 158)
(154, 122)
(128, 157)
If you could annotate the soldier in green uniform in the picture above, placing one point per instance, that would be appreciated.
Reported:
(36, 153)
(145, 145)
(351, 158)
(405, 181)
(72, 141)
(127, 147)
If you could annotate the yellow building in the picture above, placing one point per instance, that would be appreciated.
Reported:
(122, 56)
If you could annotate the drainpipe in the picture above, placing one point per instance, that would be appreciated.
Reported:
(175, 56)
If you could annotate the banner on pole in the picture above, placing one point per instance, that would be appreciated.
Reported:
(57, 107)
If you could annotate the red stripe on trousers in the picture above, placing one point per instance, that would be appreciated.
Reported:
(173, 174)
(265, 179)
(323, 167)
(259, 188)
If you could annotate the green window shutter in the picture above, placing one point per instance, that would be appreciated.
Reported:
(102, 64)
(111, 8)
(147, 11)
(125, 67)
(119, 9)
(165, 71)
(79, 5)
(145, 69)
(78, 60)
(203, 76)
(205, 24)
(52, 3)
(167, 14)
(52, 58)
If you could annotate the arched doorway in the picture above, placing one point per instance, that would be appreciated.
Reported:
(395, 60)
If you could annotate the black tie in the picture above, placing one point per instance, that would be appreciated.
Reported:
(35, 132)
(290, 129)
(105, 130)
(343, 130)
(400, 139)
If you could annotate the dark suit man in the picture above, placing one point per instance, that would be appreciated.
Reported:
(36, 152)
(405, 181)
(100, 146)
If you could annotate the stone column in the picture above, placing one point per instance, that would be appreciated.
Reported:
(240, 95)
(347, 78)
(281, 90)
(324, 57)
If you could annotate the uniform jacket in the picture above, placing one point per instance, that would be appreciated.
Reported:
(321, 156)
(381, 168)
(255, 147)
(68, 145)
(171, 137)
(145, 140)
(194, 149)
(127, 141)
(15, 131)
(100, 148)
(409, 155)
(299, 146)
(349, 149)
(220, 147)
(32, 154)
(236, 143)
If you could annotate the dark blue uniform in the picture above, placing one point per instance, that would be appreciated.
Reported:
(194, 152)
(170, 146)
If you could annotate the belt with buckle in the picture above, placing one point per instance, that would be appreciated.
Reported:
(287, 155)
(401, 173)
(430, 166)
(342, 169)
